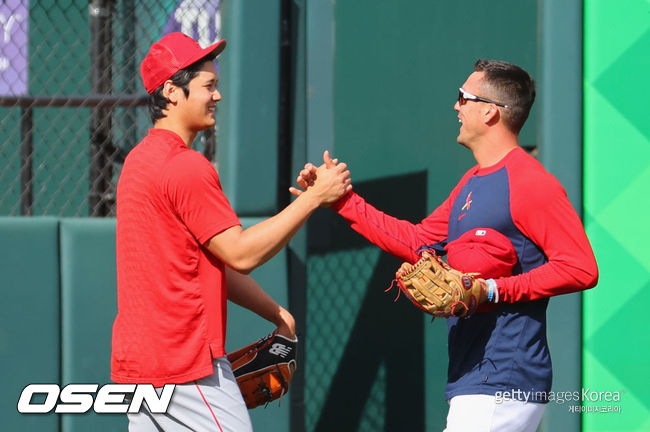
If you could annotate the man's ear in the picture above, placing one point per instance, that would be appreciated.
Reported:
(491, 115)
(170, 91)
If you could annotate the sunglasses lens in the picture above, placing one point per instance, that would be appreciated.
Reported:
(461, 98)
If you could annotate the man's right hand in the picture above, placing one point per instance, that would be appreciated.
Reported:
(247, 249)
(328, 182)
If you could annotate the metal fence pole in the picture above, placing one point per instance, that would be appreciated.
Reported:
(130, 72)
(101, 147)
(26, 160)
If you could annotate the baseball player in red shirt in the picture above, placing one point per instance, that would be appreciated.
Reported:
(181, 250)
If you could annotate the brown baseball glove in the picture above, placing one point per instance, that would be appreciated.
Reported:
(438, 289)
(264, 368)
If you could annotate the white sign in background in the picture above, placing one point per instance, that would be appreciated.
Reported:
(14, 24)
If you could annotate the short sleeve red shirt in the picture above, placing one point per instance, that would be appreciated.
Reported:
(171, 292)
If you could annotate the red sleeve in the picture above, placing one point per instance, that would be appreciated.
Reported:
(396, 236)
(194, 191)
(542, 212)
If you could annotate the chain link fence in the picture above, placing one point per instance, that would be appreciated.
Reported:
(332, 308)
(71, 100)
(364, 344)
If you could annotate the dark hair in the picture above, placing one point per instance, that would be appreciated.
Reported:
(158, 102)
(511, 85)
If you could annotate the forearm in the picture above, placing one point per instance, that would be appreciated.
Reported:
(398, 237)
(244, 250)
(551, 279)
(244, 291)
(268, 237)
(247, 249)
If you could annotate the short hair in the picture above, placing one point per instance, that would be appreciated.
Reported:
(511, 85)
(158, 102)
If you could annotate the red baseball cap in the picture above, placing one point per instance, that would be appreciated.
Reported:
(172, 53)
(484, 251)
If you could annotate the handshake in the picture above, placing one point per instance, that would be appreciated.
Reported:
(326, 183)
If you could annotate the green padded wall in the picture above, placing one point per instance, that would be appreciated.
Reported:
(244, 327)
(394, 91)
(617, 174)
(247, 147)
(382, 81)
(88, 287)
(29, 322)
(560, 150)
(88, 308)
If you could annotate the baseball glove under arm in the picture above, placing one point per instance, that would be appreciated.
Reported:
(438, 289)
(264, 368)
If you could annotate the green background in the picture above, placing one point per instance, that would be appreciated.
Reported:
(375, 84)
(617, 176)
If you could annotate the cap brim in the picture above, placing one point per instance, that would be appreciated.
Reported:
(217, 48)
(209, 53)
(213, 50)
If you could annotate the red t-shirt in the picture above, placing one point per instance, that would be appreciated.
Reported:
(171, 292)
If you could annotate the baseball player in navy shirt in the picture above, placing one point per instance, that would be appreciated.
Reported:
(509, 220)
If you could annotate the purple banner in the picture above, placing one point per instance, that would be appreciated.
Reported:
(200, 19)
(14, 22)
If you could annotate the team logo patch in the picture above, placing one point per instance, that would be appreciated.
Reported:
(468, 202)
(466, 206)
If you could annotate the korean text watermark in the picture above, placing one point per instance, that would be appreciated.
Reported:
(586, 400)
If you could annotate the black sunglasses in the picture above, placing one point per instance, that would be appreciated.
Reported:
(464, 96)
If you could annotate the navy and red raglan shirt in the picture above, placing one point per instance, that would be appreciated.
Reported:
(503, 348)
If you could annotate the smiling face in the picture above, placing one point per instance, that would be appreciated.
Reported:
(471, 113)
(197, 110)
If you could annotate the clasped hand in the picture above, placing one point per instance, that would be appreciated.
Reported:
(329, 182)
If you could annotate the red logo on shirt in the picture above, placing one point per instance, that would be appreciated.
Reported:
(465, 208)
